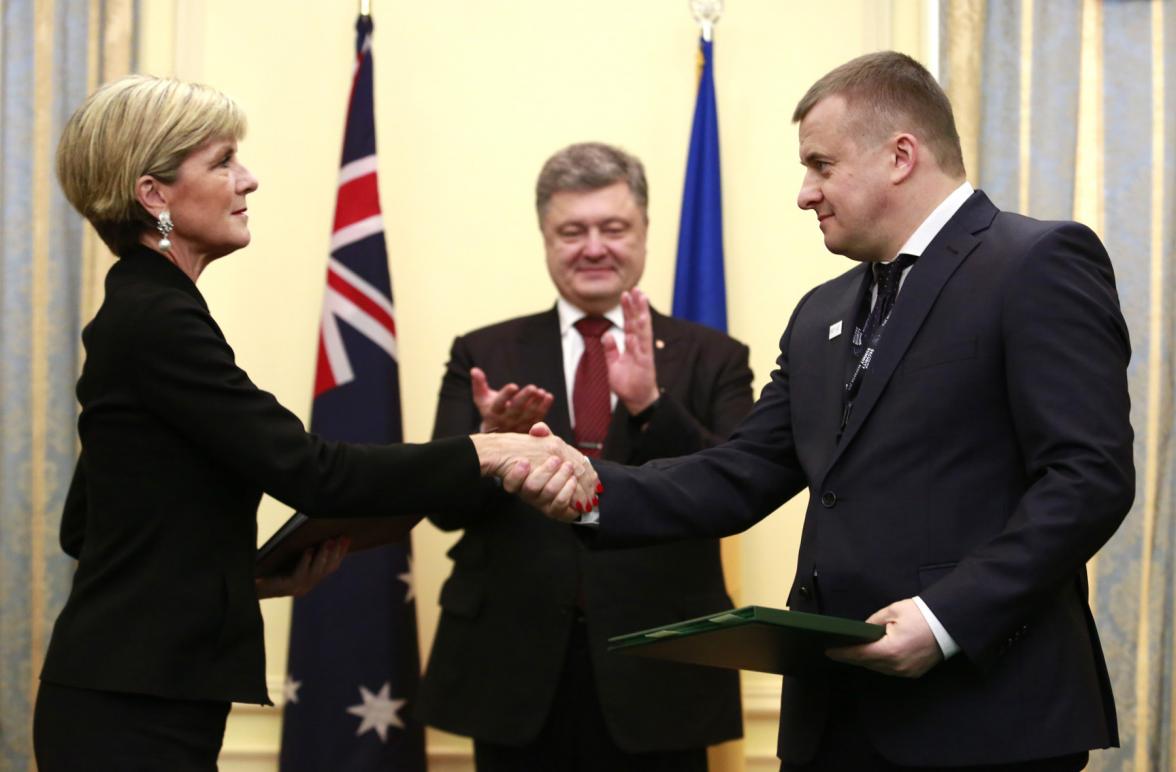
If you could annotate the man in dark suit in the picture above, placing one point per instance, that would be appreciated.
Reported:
(966, 448)
(519, 660)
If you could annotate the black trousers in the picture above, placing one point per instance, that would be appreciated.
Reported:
(575, 737)
(85, 730)
(845, 745)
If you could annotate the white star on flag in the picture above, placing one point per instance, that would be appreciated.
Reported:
(290, 690)
(378, 711)
(410, 593)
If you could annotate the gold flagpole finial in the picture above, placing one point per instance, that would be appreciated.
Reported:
(365, 7)
(707, 13)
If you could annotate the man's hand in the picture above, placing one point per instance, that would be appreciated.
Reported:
(509, 409)
(632, 374)
(908, 649)
(542, 469)
(314, 566)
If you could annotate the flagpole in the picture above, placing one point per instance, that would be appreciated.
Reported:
(365, 7)
(699, 286)
(707, 13)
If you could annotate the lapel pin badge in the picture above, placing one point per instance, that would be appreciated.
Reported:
(834, 330)
(659, 343)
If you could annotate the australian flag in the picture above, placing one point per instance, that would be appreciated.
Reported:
(700, 291)
(353, 665)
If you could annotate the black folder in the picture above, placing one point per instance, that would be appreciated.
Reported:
(281, 552)
(750, 638)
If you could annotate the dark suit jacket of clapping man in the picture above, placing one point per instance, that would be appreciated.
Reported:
(509, 609)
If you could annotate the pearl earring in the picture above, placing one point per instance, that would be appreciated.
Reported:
(165, 226)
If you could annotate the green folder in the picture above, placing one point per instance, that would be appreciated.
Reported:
(750, 638)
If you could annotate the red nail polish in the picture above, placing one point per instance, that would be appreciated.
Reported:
(579, 507)
(595, 501)
(599, 487)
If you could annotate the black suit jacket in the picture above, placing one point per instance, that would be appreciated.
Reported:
(507, 609)
(177, 447)
(988, 456)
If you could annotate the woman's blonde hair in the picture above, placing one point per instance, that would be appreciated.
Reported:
(130, 127)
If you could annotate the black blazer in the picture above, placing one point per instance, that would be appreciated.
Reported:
(177, 447)
(506, 610)
(988, 456)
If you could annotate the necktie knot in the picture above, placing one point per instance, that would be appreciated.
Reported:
(889, 275)
(592, 327)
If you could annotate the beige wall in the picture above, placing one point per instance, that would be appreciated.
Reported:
(471, 96)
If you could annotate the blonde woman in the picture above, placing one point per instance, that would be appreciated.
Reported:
(162, 628)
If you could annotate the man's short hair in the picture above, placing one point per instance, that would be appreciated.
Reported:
(887, 92)
(590, 166)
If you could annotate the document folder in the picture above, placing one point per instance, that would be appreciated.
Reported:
(750, 638)
(281, 552)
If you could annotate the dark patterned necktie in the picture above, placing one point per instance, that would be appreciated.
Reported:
(590, 395)
(887, 278)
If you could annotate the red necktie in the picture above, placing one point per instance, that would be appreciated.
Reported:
(590, 396)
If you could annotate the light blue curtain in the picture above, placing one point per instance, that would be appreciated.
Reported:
(1076, 119)
(52, 53)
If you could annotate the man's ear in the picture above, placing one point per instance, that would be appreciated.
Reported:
(905, 149)
(151, 195)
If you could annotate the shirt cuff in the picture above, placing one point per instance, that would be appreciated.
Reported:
(947, 644)
(589, 518)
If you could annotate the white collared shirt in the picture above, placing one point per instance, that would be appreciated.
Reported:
(928, 230)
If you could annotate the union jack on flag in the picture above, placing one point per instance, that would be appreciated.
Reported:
(353, 665)
(363, 305)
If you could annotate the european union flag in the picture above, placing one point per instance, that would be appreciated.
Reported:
(354, 666)
(700, 292)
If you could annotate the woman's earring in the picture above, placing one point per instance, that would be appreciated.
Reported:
(165, 226)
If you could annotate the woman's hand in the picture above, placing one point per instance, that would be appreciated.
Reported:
(314, 566)
(542, 469)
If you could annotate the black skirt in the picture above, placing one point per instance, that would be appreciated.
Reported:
(85, 729)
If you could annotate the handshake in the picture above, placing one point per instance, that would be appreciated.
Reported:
(518, 448)
(543, 470)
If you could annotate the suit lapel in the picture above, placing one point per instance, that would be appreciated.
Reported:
(666, 351)
(920, 289)
(541, 362)
(844, 311)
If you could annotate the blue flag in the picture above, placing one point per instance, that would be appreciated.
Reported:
(354, 666)
(700, 292)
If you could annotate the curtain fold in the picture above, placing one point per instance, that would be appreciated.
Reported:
(1096, 142)
(52, 54)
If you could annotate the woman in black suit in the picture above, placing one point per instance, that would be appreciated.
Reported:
(162, 628)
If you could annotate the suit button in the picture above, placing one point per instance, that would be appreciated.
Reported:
(805, 592)
(828, 499)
